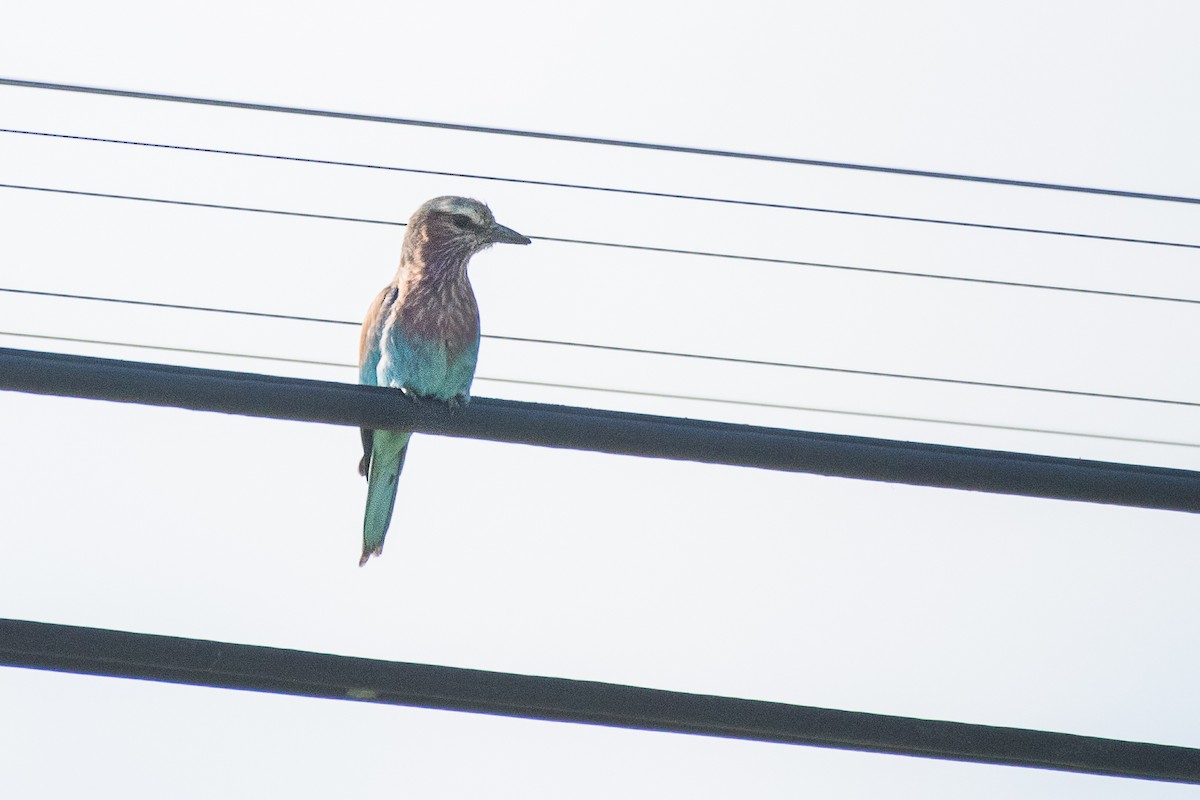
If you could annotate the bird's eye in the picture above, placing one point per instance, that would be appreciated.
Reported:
(461, 221)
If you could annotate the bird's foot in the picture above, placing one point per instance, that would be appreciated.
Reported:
(458, 402)
(412, 396)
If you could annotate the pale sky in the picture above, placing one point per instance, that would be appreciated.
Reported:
(794, 588)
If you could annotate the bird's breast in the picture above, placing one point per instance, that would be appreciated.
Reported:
(430, 343)
(453, 322)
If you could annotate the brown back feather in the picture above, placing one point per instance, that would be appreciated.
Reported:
(370, 334)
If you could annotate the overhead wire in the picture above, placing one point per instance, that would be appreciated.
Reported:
(194, 204)
(669, 148)
(624, 246)
(592, 243)
(612, 390)
(590, 140)
(627, 350)
(304, 673)
(608, 189)
(603, 431)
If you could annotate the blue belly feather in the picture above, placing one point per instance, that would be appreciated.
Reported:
(424, 366)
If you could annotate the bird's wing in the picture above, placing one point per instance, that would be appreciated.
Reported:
(368, 358)
(369, 339)
(460, 371)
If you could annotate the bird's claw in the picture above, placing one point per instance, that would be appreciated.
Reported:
(455, 403)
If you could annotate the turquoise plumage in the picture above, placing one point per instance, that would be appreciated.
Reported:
(421, 335)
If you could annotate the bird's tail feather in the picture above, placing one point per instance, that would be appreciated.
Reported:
(387, 460)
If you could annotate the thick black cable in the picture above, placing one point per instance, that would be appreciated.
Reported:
(592, 140)
(614, 190)
(620, 349)
(636, 247)
(729, 401)
(225, 665)
(611, 432)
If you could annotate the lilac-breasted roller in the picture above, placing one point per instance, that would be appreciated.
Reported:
(421, 336)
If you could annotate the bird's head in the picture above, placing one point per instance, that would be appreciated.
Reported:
(454, 229)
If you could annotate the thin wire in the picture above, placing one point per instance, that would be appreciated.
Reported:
(630, 350)
(862, 372)
(629, 392)
(610, 189)
(592, 140)
(873, 270)
(635, 247)
(181, 307)
(787, 407)
(169, 349)
(192, 204)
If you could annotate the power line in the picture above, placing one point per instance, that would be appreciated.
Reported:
(626, 392)
(609, 189)
(871, 373)
(178, 306)
(192, 204)
(186, 350)
(225, 665)
(845, 412)
(612, 432)
(635, 247)
(1075, 753)
(593, 140)
(613, 349)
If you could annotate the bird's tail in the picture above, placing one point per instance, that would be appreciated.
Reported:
(387, 459)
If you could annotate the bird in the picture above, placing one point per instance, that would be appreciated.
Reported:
(421, 335)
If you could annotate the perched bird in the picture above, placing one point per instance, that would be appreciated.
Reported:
(421, 335)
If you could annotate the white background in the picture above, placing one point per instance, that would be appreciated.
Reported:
(824, 592)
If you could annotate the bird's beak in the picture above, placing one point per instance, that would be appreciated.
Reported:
(504, 235)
